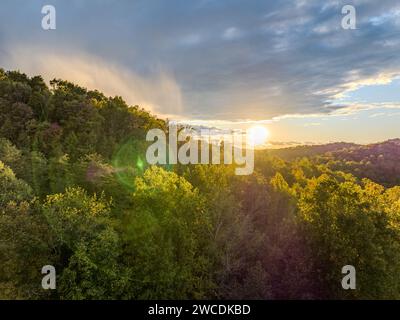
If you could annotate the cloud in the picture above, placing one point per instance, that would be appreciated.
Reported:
(288, 59)
(159, 93)
(355, 107)
(190, 40)
(379, 114)
(231, 33)
(312, 124)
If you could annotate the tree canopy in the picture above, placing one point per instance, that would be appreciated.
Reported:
(76, 193)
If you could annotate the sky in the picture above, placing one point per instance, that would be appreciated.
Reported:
(285, 64)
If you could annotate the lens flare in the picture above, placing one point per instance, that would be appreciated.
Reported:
(257, 136)
(128, 162)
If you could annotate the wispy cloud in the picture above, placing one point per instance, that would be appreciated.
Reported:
(231, 33)
(159, 93)
(312, 124)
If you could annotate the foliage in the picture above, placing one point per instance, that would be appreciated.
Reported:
(76, 193)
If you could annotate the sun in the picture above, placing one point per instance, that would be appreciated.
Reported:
(257, 136)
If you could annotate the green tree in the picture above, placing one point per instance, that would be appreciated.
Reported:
(87, 245)
(24, 240)
(347, 225)
(165, 238)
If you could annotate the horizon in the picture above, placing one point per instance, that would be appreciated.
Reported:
(227, 65)
(270, 144)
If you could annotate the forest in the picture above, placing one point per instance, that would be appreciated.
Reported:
(76, 193)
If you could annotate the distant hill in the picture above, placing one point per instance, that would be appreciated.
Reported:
(379, 162)
(389, 149)
(292, 153)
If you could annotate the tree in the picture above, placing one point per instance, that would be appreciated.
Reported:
(165, 237)
(87, 245)
(23, 240)
(347, 225)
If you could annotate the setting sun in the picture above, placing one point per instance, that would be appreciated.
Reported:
(257, 135)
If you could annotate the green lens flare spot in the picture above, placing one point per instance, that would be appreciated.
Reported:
(140, 163)
(128, 163)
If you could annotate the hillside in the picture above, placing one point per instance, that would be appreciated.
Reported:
(309, 150)
(378, 161)
(76, 193)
